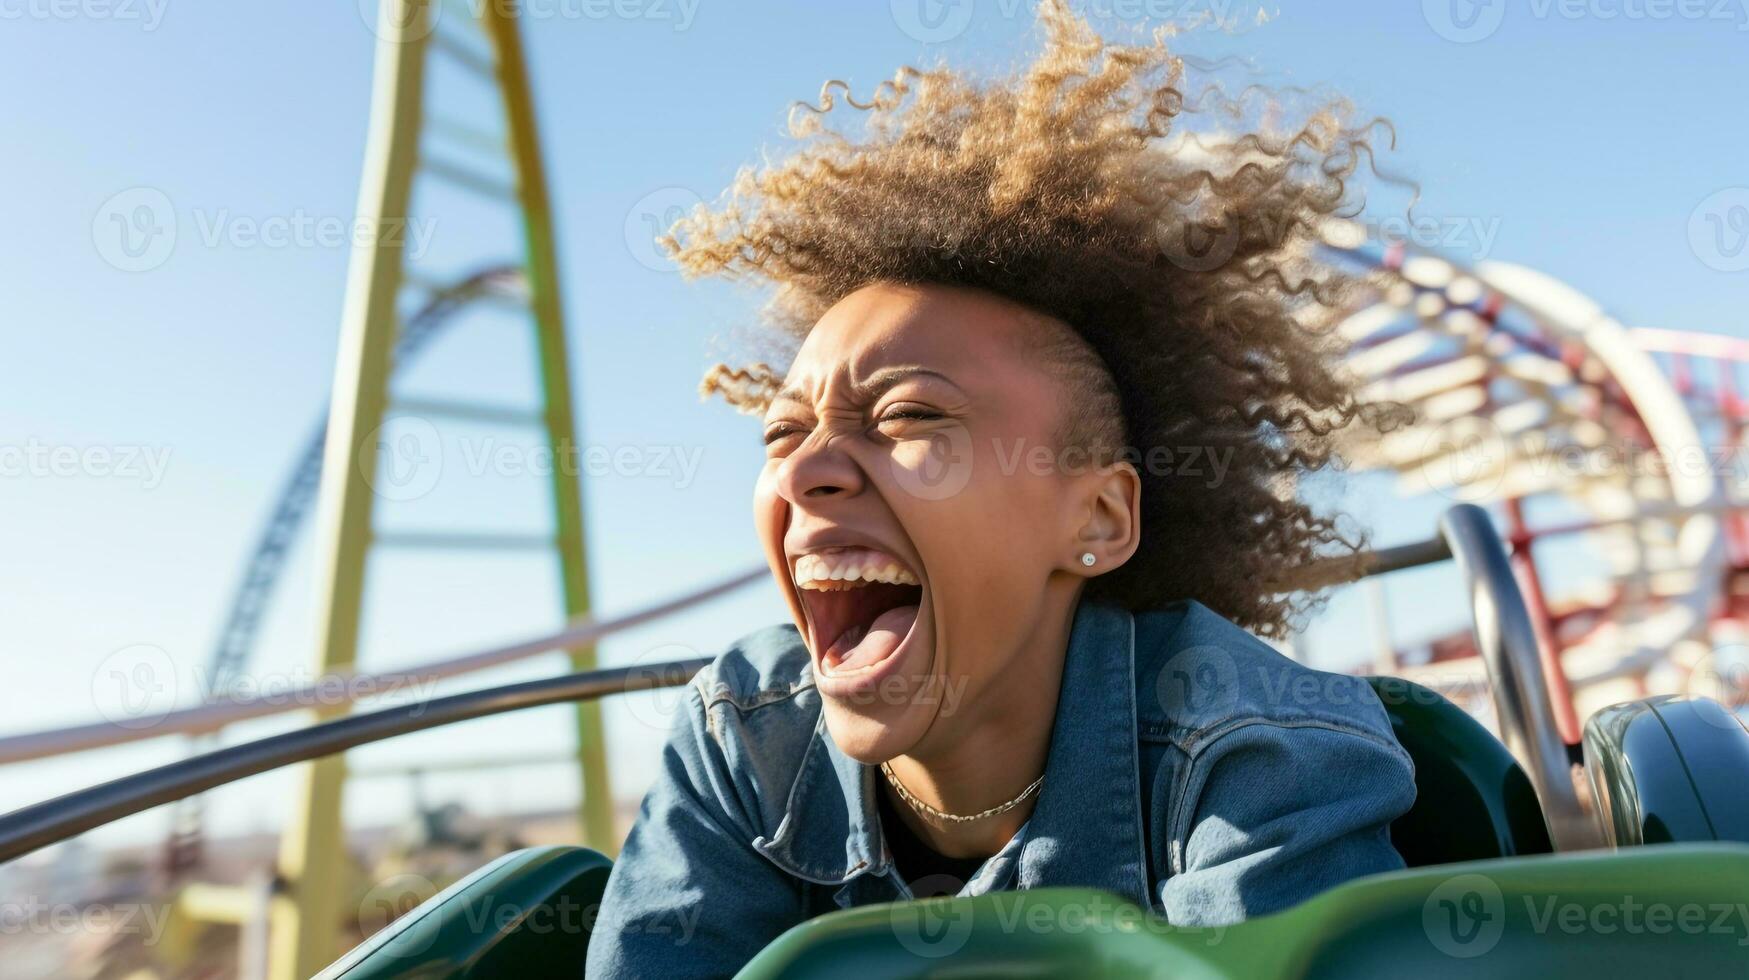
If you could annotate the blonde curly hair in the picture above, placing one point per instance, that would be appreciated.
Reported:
(1185, 261)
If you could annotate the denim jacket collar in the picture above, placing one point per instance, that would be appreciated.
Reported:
(1086, 828)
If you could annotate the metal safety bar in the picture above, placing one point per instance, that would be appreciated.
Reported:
(30, 828)
(1506, 640)
(1507, 643)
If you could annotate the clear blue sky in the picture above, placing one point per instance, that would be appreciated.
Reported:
(1575, 138)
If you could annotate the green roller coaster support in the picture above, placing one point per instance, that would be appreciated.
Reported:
(543, 284)
(313, 859)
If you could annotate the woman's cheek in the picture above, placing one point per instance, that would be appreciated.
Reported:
(770, 510)
(771, 522)
(935, 466)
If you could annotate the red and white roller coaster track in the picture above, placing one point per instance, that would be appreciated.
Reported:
(1524, 387)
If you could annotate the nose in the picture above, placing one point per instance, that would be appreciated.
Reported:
(818, 470)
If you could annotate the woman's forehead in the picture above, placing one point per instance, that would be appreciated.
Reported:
(960, 333)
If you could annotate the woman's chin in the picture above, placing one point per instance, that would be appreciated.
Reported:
(882, 713)
(873, 734)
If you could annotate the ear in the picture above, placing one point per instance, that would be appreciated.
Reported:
(1109, 520)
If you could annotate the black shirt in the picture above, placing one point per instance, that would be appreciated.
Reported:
(927, 871)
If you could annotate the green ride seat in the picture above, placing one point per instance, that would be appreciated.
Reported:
(528, 913)
(1472, 799)
(525, 915)
(1672, 911)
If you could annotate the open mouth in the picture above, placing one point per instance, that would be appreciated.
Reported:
(860, 603)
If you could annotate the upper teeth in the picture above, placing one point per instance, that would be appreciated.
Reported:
(850, 570)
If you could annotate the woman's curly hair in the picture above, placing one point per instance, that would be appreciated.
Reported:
(1186, 262)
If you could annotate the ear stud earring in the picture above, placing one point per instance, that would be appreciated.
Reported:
(1087, 558)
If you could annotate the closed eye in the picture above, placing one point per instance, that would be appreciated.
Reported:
(913, 414)
(780, 431)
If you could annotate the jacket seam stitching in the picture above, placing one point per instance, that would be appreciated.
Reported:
(1199, 739)
(786, 860)
(1146, 864)
(765, 697)
(1179, 833)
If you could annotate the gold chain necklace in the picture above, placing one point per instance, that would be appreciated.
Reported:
(934, 814)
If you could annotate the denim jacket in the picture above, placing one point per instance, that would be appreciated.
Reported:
(1192, 770)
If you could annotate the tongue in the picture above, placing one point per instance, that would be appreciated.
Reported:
(883, 637)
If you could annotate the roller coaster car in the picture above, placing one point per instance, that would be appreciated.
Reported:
(1484, 892)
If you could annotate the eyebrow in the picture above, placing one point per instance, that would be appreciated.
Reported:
(871, 387)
